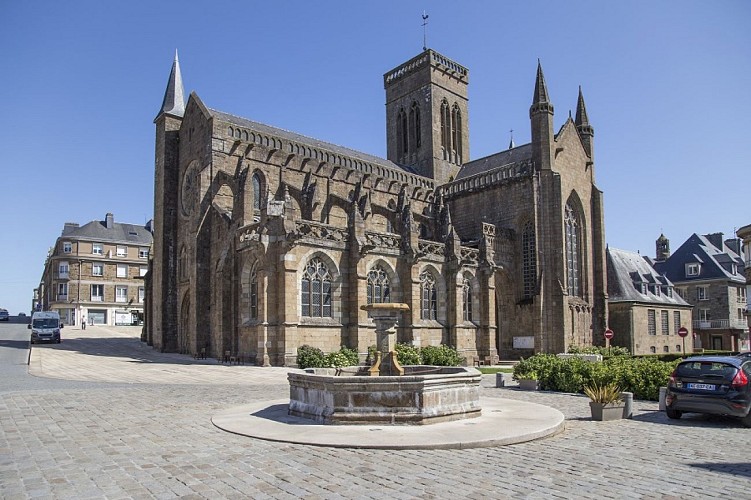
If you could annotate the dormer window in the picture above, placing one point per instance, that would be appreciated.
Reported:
(692, 269)
(670, 292)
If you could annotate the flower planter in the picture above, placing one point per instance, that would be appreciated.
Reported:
(604, 412)
(528, 385)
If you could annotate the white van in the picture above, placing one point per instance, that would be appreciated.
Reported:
(45, 327)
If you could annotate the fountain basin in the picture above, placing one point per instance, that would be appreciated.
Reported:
(423, 395)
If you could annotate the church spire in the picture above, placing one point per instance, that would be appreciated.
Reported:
(586, 131)
(174, 102)
(541, 118)
(541, 90)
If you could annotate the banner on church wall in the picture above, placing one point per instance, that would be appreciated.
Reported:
(524, 342)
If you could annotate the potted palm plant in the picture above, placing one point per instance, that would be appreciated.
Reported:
(605, 401)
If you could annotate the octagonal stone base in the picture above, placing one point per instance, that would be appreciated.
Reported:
(423, 395)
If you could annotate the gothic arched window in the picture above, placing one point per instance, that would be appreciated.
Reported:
(529, 260)
(467, 299)
(257, 191)
(379, 286)
(315, 290)
(573, 249)
(414, 128)
(445, 128)
(402, 133)
(428, 296)
(456, 134)
(249, 298)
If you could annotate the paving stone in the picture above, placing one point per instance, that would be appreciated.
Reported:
(118, 434)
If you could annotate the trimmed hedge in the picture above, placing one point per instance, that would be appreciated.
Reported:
(313, 357)
(441, 355)
(641, 376)
(407, 354)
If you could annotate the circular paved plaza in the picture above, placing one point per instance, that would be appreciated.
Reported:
(104, 416)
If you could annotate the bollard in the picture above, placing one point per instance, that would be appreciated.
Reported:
(499, 380)
(628, 404)
(663, 390)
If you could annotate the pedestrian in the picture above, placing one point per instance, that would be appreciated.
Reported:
(83, 322)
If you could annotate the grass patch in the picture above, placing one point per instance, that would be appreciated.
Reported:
(485, 370)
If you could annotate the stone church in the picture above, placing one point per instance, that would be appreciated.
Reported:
(266, 240)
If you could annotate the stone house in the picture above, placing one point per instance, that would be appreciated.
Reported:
(266, 240)
(97, 271)
(645, 312)
(708, 273)
(744, 233)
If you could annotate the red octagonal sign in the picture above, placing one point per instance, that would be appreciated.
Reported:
(609, 333)
(683, 331)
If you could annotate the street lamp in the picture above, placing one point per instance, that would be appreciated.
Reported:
(78, 295)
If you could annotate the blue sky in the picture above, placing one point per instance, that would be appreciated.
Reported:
(666, 86)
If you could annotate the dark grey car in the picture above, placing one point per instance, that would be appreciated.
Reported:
(717, 385)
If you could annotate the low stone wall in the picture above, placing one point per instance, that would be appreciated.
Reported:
(424, 395)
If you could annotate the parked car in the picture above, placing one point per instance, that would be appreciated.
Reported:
(21, 315)
(4, 316)
(717, 385)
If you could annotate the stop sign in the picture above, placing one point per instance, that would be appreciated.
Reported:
(683, 331)
(609, 334)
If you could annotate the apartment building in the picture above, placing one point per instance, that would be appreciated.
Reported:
(708, 272)
(645, 313)
(95, 272)
(744, 234)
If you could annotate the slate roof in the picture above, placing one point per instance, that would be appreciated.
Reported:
(716, 262)
(302, 139)
(118, 233)
(627, 271)
(514, 155)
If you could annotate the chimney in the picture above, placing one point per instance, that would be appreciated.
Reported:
(734, 244)
(70, 226)
(109, 221)
(715, 239)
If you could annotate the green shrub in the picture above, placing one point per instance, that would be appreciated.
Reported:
(343, 357)
(407, 354)
(310, 357)
(313, 357)
(441, 355)
(603, 351)
(641, 376)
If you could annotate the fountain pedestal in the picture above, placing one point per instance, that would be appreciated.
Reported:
(392, 394)
(386, 317)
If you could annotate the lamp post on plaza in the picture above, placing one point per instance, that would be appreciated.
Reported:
(78, 295)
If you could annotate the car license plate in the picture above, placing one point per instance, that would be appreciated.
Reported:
(705, 387)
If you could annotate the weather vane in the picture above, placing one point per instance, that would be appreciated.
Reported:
(424, 30)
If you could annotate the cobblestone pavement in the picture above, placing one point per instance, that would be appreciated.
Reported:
(117, 433)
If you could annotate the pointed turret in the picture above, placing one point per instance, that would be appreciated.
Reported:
(541, 116)
(163, 334)
(541, 90)
(586, 131)
(662, 247)
(174, 100)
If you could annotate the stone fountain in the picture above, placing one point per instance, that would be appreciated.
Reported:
(386, 392)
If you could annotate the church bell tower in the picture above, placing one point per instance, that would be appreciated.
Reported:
(427, 115)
